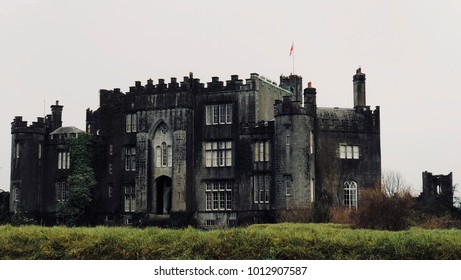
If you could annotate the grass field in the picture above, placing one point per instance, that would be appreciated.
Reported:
(275, 241)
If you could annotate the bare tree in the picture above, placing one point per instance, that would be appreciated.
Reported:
(393, 183)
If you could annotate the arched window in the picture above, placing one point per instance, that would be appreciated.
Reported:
(164, 155)
(350, 194)
(158, 156)
(170, 156)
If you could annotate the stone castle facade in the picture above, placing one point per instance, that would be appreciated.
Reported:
(224, 153)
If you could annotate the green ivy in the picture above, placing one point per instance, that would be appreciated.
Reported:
(74, 211)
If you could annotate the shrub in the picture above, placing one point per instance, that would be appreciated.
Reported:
(378, 211)
(440, 222)
(298, 215)
(341, 215)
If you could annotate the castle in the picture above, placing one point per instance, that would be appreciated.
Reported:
(224, 153)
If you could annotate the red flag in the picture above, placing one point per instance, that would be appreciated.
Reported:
(292, 48)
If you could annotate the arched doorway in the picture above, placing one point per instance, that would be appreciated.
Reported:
(162, 201)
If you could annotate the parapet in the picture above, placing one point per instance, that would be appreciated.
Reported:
(262, 127)
(20, 126)
(289, 107)
(345, 119)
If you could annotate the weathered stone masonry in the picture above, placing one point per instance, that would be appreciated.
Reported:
(225, 153)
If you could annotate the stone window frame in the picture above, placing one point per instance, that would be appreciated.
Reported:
(350, 194)
(349, 151)
(261, 150)
(218, 153)
(62, 191)
(260, 183)
(63, 160)
(131, 123)
(216, 114)
(129, 198)
(130, 158)
(218, 195)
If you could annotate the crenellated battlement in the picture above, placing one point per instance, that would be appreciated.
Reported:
(191, 85)
(263, 127)
(289, 107)
(20, 126)
(345, 119)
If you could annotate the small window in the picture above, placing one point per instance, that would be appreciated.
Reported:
(109, 190)
(218, 114)
(288, 188)
(39, 151)
(131, 123)
(209, 223)
(349, 151)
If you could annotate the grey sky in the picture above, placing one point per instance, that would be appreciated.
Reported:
(410, 51)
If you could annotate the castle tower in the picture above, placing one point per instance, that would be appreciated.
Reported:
(294, 163)
(359, 89)
(294, 84)
(27, 154)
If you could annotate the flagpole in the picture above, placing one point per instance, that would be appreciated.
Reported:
(293, 44)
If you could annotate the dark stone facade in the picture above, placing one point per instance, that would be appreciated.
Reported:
(223, 154)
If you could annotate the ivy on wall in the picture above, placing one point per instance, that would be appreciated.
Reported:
(81, 181)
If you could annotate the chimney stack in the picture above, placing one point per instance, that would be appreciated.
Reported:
(359, 89)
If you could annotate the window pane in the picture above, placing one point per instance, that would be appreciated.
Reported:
(208, 115)
(254, 184)
(261, 151)
(158, 156)
(356, 152)
(229, 114)
(348, 151)
(215, 114)
(266, 151)
(222, 113)
(134, 123)
(229, 200)
(256, 147)
(128, 123)
(170, 156)
(342, 151)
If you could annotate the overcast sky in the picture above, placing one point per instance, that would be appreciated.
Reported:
(410, 51)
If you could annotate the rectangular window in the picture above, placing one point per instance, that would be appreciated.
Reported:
(261, 151)
(288, 187)
(349, 152)
(261, 186)
(63, 160)
(17, 150)
(218, 195)
(131, 122)
(311, 141)
(109, 190)
(39, 151)
(130, 159)
(218, 154)
(218, 114)
(111, 149)
(130, 199)
(16, 193)
(110, 168)
(62, 191)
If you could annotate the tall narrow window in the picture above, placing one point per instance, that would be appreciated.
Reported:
(131, 123)
(311, 138)
(130, 199)
(17, 150)
(164, 155)
(158, 156)
(16, 193)
(63, 160)
(170, 155)
(261, 186)
(288, 187)
(62, 191)
(39, 151)
(130, 159)
(109, 190)
(350, 194)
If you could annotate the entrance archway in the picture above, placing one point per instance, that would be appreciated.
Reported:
(163, 195)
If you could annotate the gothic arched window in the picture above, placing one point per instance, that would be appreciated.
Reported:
(350, 194)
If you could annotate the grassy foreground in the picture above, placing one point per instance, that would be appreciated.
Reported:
(277, 241)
